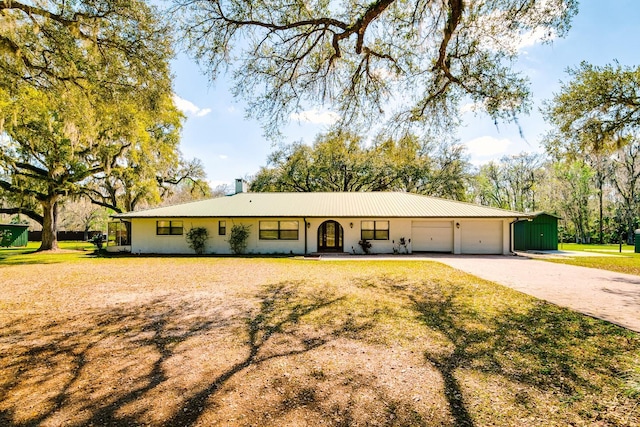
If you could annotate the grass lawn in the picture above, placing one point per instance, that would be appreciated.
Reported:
(287, 342)
(26, 255)
(626, 262)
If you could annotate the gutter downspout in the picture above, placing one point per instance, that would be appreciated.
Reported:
(511, 236)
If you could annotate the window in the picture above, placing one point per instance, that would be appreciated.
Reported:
(279, 230)
(374, 230)
(166, 228)
(119, 234)
(222, 228)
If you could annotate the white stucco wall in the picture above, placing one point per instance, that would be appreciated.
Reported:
(145, 240)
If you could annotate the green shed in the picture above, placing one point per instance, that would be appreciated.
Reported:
(14, 235)
(538, 233)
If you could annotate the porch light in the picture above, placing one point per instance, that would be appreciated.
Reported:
(350, 225)
(457, 225)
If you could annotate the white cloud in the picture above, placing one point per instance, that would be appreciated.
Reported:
(471, 107)
(189, 107)
(496, 32)
(223, 156)
(316, 117)
(532, 38)
(487, 146)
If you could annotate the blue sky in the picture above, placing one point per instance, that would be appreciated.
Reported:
(231, 146)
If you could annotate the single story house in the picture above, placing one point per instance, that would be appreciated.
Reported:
(540, 232)
(306, 223)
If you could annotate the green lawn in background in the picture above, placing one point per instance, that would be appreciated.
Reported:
(607, 249)
(613, 260)
(70, 251)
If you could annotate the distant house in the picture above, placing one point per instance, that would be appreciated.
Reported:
(540, 232)
(305, 223)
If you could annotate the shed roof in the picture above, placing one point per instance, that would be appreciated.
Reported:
(309, 205)
(538, 213)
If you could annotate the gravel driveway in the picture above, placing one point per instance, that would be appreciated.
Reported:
(607, 295)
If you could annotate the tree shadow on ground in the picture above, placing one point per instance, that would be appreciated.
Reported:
(114, 366)
(287, 356)
(541, 348)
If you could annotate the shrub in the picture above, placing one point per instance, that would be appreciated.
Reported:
(5, 238)
(365, 245)
(238, 238)
(197, 239)
(98, 240)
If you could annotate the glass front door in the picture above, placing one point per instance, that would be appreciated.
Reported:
(330, 237)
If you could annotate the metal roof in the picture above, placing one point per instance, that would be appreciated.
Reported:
(538, 213)
(309, 205)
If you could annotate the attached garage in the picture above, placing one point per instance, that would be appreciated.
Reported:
(432, 236)
(481, 237)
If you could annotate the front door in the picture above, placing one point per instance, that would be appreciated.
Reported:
(330, 237)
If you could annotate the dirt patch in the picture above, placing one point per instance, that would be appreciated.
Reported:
(237, 342)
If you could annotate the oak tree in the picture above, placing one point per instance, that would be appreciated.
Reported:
(598, 110)
(85, 96)
(405, 62)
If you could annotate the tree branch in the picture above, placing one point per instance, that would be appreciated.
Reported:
(28, 212)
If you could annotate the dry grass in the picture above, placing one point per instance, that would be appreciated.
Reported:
(273, 342)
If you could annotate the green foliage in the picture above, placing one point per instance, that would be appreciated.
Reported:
(365, 245)
(340, 161)
(113, 44)
(510, 183)
(598, 110)
(85, 106)
(197, 239)
(238, 238)
(361, 58)
(5, 238)
(98, 240)
(574, 186)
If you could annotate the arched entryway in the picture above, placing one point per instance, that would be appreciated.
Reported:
(330, 237)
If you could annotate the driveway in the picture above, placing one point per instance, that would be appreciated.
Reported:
(607, 295)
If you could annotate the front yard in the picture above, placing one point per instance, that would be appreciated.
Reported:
(275, 342)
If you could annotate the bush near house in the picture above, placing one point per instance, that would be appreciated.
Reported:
(197, 239)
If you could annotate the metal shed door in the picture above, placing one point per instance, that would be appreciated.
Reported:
(481, 237)
(432, 236)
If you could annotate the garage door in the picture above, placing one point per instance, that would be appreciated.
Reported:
(432, 236)
(482, 237)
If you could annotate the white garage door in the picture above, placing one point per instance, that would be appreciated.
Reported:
(482, 237)
(432, 236)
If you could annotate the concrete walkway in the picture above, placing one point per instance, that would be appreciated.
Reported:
(607, 295)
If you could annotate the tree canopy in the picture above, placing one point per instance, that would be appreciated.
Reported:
(598, 110)
(51, 42)
(405, 61)
(85, 101)
(341, 161)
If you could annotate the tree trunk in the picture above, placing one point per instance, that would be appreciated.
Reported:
(601, 231)
(49, 224)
